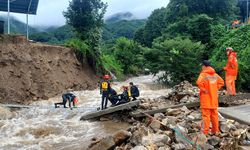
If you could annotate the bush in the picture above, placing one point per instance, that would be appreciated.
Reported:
(239, 39)
(179, 58)
(110, 64)
(129, 54)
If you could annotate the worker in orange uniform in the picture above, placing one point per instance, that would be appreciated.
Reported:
(231, 71)
(105, 89)
(209, 82)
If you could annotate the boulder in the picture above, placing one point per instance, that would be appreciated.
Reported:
(5, 113)
(139, 148)
(121, 136)
(156, 139)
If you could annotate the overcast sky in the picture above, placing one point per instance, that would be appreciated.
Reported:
(50, 11)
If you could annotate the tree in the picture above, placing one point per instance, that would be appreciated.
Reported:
(129, 54)
(179, 58)
(86, 16)
(154, 26)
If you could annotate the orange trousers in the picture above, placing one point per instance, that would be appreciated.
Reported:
(230, 83)
(210, 115)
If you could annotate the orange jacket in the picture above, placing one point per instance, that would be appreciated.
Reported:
(232, 65)
(209, 83)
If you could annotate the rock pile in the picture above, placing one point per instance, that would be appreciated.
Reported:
(176, 129)
(184, 93)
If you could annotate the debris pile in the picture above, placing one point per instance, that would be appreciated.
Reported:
(176, 129)
(181, 93)
(184, 92)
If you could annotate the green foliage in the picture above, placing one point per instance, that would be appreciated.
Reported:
(185, 17)
(85, 16)
(82, 50)
(179, 58)
(239, 39)
(110, 64)
(129, 54)
(123, 28)
(54, 36)
(154, 26)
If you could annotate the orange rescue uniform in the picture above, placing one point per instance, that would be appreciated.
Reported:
(231, 73)
(209, 83)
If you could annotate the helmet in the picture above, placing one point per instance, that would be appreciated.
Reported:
(106, 77)
(229, 49)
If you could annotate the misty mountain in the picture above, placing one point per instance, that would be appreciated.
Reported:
(16, 26)
(121, 16)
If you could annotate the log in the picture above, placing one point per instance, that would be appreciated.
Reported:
(222, 99)
(110, 110)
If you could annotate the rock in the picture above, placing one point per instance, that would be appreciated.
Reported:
(221, 118)
(214, 140)
(206, 146)
(224, 128)
(159, 116)
(179, 146)
(5, 113)
(238, 132)
(185, 109)
(248, 133)
(173, 112)
(165, 121)
(200, 139)
(104, 119)
(172, 120)
(139, 148)
(104, 143)
(144, 106)
(155, 125)
(190, 117)
(155, 138)
(109, 141)
(121, 136)
(164, 148)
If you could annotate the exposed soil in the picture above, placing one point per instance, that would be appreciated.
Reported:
(33, 71)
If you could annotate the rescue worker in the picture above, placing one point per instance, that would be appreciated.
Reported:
(113, 97)
(71, 98)
(209, 83)
(104, 90)
(231, 70)
(124, 97)
(133, 91)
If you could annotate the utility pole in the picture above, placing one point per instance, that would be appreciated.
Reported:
(8, 16)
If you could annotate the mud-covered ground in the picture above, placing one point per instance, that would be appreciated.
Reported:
(33, 71)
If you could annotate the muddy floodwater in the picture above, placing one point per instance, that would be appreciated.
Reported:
(45, 127)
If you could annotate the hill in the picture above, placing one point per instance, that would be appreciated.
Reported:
(36, 71)
(16, 26)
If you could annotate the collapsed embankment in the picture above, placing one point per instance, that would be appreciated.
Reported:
(33, 71)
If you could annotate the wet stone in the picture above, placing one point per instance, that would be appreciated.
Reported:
(139, 148)
(155, 138)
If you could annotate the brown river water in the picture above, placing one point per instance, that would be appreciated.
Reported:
(47, 128)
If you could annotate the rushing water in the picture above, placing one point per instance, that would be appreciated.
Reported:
(45, 127)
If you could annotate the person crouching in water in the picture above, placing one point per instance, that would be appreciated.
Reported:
(71, 98)
(105, 90)
(133, 91)
(209, 83)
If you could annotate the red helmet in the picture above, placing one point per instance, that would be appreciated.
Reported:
(106, 77)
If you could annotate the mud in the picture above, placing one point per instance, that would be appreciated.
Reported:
(33, 71)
